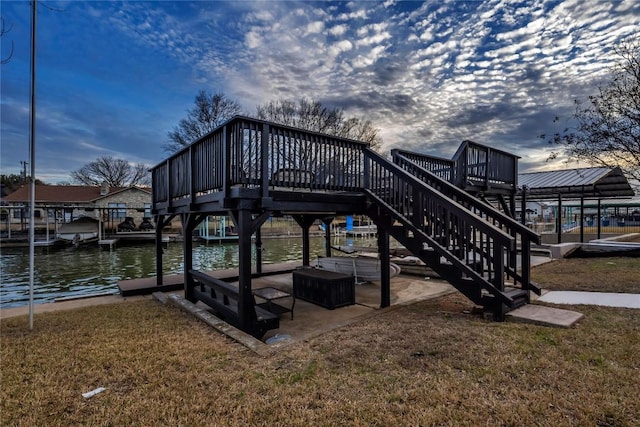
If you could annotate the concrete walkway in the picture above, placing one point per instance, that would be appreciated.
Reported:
(592, 298)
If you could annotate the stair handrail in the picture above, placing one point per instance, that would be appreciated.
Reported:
(442, 166)
(452, 204)
(400, 158)
(494, 255)
(513, 227)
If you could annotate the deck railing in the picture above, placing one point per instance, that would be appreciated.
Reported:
(473, 164)
(525, 236)
(251, 153)
(485, 166)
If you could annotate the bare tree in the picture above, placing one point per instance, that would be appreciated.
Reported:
(310, 114)
(3, 31)
(607, 131)
(209, 112)
(115, 172)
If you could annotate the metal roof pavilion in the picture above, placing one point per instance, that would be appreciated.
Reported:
(575, 183)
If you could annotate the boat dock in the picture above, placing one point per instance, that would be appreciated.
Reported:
(131, 237)
(219, 239)
(110, 243)
(135, 235)
(48, 243)
(362, 231)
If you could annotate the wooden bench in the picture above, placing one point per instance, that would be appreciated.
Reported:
(223, 298)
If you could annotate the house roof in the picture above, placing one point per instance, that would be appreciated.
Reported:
(576, 183)
(76, 194)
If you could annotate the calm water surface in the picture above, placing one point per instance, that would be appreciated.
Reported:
(87, 270)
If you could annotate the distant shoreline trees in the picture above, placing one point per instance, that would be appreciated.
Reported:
(11, 182)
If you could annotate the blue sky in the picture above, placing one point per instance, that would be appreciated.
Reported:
(114, 77)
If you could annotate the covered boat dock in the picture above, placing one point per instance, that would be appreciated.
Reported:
(573, 184)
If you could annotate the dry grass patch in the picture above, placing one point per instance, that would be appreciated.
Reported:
(614, 274)
(432, 363)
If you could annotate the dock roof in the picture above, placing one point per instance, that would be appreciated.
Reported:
(597, 182)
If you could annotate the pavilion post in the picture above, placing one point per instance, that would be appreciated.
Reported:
(599, 218)
(385, 268)
(559, 219)
(582, 219)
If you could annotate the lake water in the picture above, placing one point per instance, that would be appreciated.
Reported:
(88, 270)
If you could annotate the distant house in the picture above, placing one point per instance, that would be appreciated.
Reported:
(67, 202)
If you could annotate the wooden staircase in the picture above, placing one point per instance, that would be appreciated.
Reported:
(466, 241)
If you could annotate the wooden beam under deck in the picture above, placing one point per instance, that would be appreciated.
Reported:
(279, 201)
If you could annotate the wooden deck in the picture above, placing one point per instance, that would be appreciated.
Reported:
(251, 170)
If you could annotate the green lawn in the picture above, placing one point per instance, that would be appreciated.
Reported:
(432, 363)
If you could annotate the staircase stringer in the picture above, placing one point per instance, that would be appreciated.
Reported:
(423, 238)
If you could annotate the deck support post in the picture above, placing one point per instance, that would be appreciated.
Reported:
(512, 205)
(385, 275)
(243, 220)
(189, 223)
(258, 251)
(523, 206)
(305, 222)
(159, 276)
(327, 234)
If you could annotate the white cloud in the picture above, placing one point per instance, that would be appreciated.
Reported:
(338, 48)
(338, 30)
(252, 40)
(315, 27)
(358, 14)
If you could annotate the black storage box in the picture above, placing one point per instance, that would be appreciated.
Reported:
(325, 288)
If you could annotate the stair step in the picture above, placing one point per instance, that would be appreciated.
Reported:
(514, 293)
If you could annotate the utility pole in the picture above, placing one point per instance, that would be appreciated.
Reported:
(23, 212)
(24, 171)
(32, 157)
